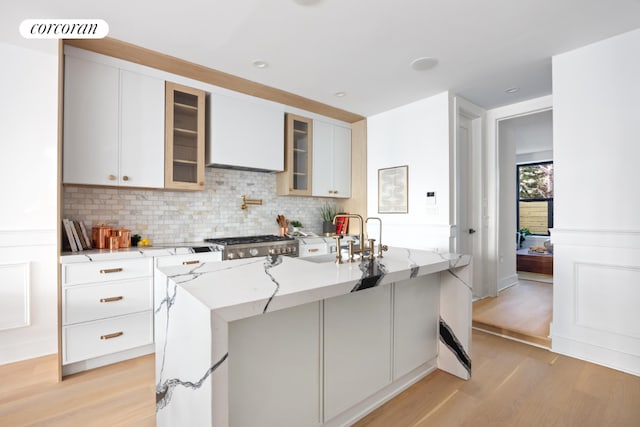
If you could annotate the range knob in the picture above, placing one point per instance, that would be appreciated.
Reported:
(231, 255)
(240, 254)
(272, 251)
(253, 252)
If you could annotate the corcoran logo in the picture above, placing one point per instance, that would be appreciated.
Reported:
(64, 29)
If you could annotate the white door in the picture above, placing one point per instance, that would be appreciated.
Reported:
(464, 186)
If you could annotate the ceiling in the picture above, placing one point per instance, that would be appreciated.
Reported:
(363, 48)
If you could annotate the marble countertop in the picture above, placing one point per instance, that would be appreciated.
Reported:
(134, 252)
(243, 288)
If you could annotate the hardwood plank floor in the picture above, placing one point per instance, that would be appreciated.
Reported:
(522, 311)
(513, 384)
(122, 394)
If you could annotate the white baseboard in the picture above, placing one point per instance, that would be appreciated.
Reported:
(97, 362)
(625, 362)
(507, 282)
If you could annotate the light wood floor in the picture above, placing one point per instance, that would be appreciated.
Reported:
(513, 384)
(121, 394)
(522, 311)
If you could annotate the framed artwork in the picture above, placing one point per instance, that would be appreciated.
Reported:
(393, 190)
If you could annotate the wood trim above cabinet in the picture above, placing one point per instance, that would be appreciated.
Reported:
(140, 55)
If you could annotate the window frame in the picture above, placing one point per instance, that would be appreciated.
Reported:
(549, 200)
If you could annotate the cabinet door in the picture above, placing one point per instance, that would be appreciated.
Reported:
(141, 131)
(416, 320)
(90, 147)
(357, 347)
(184, 137)
(323, 159)
(274, 368)
(245, 133)
(341, 162)
(297, 176)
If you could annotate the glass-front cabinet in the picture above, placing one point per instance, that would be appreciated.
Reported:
(184, 135)
(296, 178)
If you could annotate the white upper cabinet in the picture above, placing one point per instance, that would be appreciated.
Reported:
(331, 160)
(113, 126)
(245, 133)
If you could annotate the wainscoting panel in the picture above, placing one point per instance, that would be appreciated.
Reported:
(596, 292)
(14, 295)
(607, 298)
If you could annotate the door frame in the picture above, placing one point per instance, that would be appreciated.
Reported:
(492, 189)
(477, 117)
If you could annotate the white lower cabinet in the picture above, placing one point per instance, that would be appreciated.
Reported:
(107, 307)
(357, 347)
(274, 368)
(415, 323)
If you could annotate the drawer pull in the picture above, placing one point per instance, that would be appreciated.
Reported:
(314, 250)
(112, 299)
(113, 335)
(110, 270)
(195, 261)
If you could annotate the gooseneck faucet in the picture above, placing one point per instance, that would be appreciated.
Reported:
(381, 247)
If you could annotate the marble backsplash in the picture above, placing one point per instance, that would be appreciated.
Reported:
(167, 217)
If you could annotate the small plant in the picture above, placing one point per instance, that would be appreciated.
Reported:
(295, 223)
(522, 234)
(327, 212)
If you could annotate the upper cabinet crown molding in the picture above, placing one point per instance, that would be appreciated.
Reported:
(139, 55)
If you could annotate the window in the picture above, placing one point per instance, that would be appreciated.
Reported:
(535, 197)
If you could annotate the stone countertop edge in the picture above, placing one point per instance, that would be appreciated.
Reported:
(244, 288)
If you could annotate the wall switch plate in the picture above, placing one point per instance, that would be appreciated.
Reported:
(431, 198)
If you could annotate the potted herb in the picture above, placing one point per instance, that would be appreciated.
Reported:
(295, 226)
(327, 212)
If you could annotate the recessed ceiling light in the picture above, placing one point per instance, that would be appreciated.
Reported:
(260, 64)
(340, 94)
(512, 90)
(424, 63)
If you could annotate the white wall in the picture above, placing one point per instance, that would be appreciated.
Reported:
(28, 172)
(416, 135)
(597, 210)
(507, 135)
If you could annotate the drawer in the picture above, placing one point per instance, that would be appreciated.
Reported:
(313, 249)
(105, 271)
(88, 340)
(188, 259)
(98, 301)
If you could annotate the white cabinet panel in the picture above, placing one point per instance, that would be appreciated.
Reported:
(93, 339)
(113, 126)
(142, 131)
(103, 271)
(100, 301)
(188, 259)
(91, 117)
(417, 304)
(331, 160)
(357, 347)
(274, 368)
(14, 295)
(245, 133)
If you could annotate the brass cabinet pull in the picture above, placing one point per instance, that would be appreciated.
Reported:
(111, 177)
(314, 250)
(111, 270)
(125, 178)
(113, 335)
(195, 261)
(112, 299)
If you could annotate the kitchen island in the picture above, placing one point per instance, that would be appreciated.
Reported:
(305, 342)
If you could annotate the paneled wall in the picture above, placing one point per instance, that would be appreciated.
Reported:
(597, 225)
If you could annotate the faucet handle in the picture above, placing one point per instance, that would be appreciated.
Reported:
(371, 247)
(338, 251)
(382, 248)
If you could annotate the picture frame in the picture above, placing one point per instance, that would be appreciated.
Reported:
(393, 190)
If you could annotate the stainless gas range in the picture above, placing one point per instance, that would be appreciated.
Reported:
(255, 246)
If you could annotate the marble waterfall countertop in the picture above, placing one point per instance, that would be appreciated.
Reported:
(248, 287)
